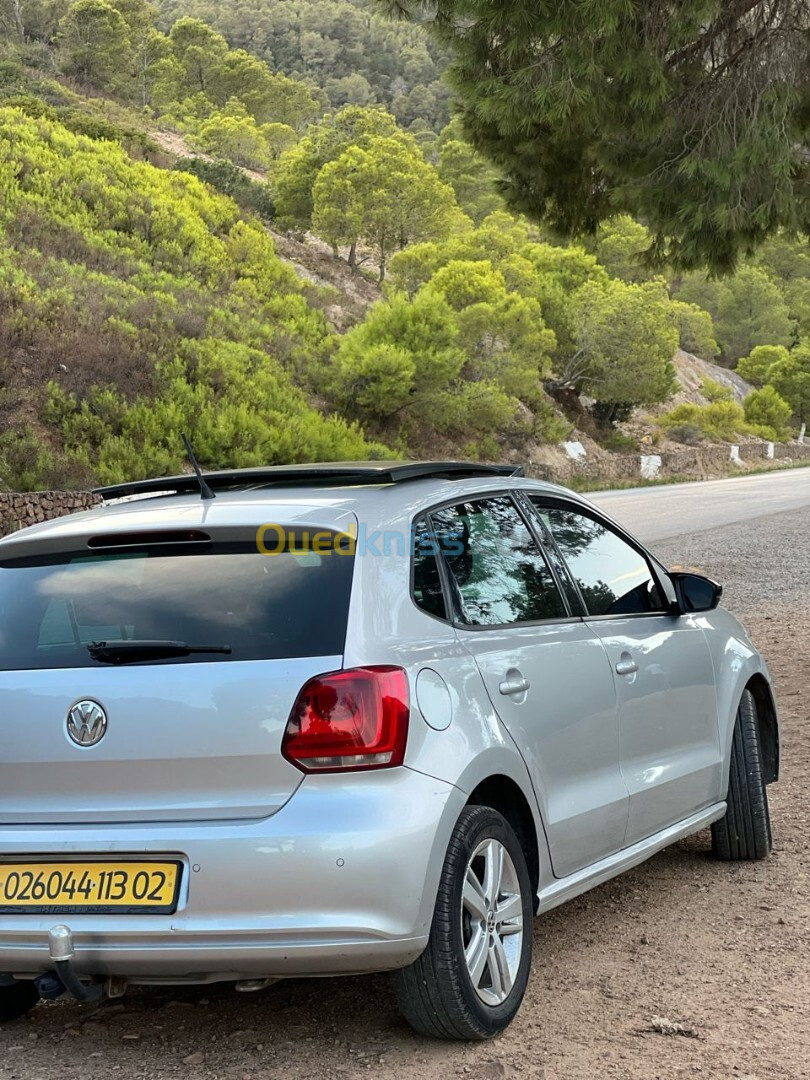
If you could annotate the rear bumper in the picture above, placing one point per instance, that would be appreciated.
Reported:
(196, 958)
(342, 880)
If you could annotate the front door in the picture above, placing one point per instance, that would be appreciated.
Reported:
(669, 736)
(546, 672)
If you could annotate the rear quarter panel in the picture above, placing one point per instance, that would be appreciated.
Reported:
(386, 627)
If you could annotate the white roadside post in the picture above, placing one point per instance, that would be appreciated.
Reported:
(650, 466)
(575, 450)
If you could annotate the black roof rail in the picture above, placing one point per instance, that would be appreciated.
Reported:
(337, 473)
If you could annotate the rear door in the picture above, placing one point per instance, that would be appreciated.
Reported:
(189, 738)
(670, 749)
(546, 673)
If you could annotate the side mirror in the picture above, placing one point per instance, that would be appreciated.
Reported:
(695, 592)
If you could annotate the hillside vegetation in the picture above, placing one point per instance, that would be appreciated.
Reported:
(136, 304)
(142, 296)
(346, 49)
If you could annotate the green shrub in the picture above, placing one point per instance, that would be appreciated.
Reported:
(487, 448)
(756, 366)
(688, 434)
(28, 465)
(790, 377)
(550, 426)
(715, 391)
(11, 73)
(230, 180)
(765, 408)
(478, 409)
(30, 104)
(378, 380)
(236, 138)
(722, 421)
(695, 329)
(79, 120)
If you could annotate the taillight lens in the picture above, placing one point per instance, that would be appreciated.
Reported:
(354, 719)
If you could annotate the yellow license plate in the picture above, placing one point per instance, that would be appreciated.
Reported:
(52, 887)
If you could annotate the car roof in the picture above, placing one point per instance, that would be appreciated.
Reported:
(331, 501)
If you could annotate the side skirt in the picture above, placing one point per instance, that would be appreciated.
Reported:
(557, 892)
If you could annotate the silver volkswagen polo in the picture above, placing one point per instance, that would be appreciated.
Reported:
(350, 718)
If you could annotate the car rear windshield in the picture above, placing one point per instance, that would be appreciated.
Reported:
(261, 607)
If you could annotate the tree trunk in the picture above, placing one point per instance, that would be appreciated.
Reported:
(18, 16)
(381, 278)
(352, 260)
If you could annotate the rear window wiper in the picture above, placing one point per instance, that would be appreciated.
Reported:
(133, 651)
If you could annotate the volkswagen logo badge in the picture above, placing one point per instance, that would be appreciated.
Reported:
(86, 723)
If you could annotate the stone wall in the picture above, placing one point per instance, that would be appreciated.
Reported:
(704, 462)
(18, 509)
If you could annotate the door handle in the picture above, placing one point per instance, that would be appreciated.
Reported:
(513, 686)
(626, 666)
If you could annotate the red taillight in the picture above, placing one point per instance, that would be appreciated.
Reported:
(355, 719)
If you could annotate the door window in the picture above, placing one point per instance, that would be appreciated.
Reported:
(614, 578)
(498, 573)
(427, 583)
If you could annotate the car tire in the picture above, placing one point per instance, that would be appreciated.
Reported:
(745, 831)
(469, 982)
(17, 1000)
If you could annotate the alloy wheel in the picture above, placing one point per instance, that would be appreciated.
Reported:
(492, 922)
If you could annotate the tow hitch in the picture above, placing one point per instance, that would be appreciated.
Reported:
(64, 977)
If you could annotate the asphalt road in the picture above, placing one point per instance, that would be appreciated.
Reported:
(656, 513)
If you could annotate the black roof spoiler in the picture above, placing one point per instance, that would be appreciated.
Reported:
(337, 473)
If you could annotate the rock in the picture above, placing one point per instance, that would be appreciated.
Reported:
(196, 1058)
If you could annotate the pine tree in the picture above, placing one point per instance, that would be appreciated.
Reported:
(693, 117)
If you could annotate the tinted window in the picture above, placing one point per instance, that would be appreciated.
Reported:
(553, 556)
(498, 572)
(427, 585)
(613, 577)
(263, 606)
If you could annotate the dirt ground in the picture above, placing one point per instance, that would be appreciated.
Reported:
(722, 950)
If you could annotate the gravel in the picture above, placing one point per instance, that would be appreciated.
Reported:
(764, 564)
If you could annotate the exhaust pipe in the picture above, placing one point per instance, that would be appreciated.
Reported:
(251, 986)
(61, 951)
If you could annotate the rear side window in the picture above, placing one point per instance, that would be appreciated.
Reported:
(290, 604)
(427, 583)
(613, 577)
(498, 573)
